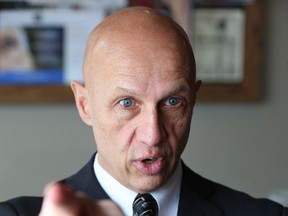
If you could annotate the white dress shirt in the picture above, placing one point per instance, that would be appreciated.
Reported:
(167, 196)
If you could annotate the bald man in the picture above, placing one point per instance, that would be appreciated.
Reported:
(138, 96)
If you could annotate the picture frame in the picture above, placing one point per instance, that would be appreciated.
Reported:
(48, 47)
(249, 89)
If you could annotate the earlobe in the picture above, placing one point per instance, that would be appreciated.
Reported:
(82, 101)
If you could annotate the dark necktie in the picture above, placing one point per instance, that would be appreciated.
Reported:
(145, 205)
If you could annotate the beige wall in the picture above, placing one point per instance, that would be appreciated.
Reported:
(242, 145)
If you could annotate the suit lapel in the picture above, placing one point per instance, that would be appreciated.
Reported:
(194, 191)
(85, 180)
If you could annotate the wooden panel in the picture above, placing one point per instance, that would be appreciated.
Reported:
(33, 94)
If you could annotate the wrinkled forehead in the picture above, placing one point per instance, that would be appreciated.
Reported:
(133, 31)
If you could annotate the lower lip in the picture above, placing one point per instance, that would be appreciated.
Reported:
(152, 168)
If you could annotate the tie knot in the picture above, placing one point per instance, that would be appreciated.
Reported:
(145, 205)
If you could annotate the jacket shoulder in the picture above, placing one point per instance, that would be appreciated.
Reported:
(21, 206)
(230, 201)
(239, 203)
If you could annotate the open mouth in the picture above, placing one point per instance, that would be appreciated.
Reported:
(149, 161)
(150, 165)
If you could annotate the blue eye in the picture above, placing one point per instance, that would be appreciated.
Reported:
(126, 102)
(172, 101)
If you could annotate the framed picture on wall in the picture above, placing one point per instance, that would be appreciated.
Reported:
(42, 52)
(227, 44)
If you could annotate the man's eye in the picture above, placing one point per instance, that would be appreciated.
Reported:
(126, 102)
(172, 101)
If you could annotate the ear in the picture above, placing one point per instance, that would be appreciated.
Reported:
(196, 89)
(197, 85)
(82, 101)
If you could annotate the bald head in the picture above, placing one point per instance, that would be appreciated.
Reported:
(135, 29)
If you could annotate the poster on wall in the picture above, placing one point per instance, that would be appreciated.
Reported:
(31, 54)
(44, 46)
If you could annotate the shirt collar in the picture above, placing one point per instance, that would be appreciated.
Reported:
(167, 196)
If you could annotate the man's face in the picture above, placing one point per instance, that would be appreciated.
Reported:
(140, 104)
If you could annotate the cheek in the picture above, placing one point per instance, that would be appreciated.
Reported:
(112, 145)
(178, 130)
(111, 133)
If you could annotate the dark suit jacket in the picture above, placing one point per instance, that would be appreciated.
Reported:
(198, 197)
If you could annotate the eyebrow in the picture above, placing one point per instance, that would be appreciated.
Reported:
(179, 88)
(121, 90)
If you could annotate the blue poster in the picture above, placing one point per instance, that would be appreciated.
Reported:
(31, 55)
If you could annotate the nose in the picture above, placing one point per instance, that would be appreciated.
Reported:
(150, 129)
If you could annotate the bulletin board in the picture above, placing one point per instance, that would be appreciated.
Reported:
(44, 81)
